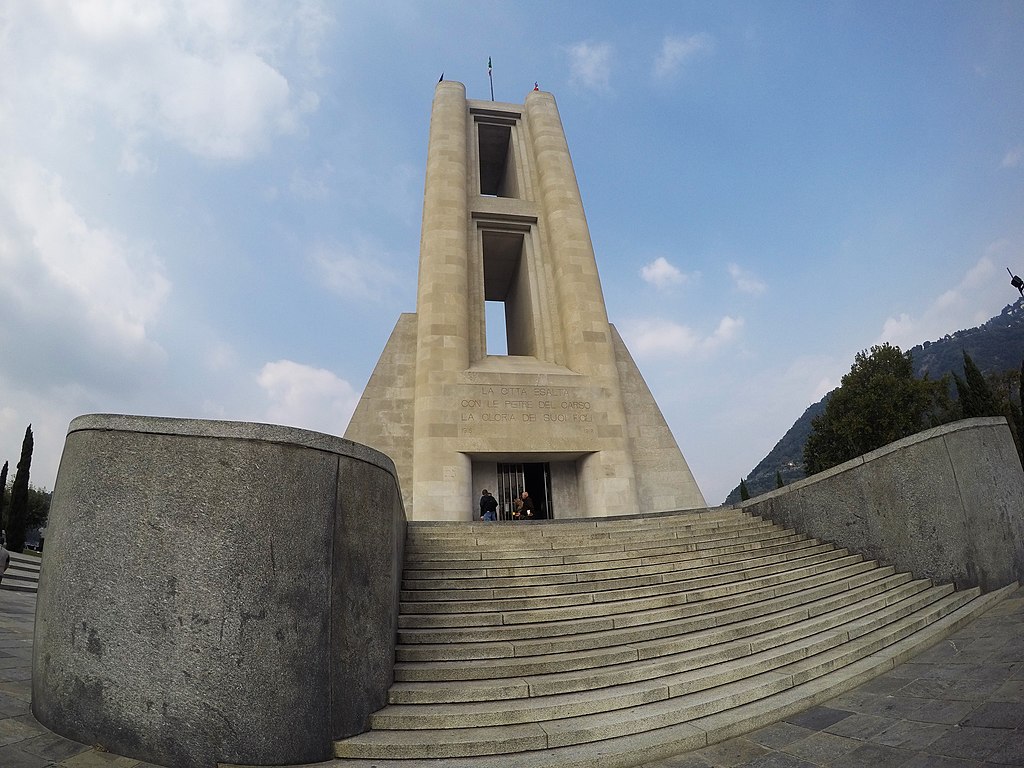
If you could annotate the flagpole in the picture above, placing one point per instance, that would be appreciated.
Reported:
(490, 77)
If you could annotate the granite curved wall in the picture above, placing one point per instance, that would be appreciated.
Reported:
(945, 504)
(216, 591)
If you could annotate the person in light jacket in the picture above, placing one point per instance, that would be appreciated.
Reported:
(5, 560)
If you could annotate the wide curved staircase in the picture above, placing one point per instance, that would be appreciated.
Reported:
(611, 642)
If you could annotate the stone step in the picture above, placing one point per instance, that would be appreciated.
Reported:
(426, 530)
(599, 554)
(599, 616)
(827, 647)
(481, 681)
(613, 602)
(507, 539)
(628, 588)
(608, 647)
(649, 746)
(685, 566)
(557, 570)
(494, 587)
(691, 715)
(448, 644)
(466, 662)
(23, 574)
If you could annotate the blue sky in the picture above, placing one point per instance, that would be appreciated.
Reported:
(212, 209)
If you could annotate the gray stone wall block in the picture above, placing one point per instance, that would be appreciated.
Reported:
(367, 583)
(945, 504)
(184, 614)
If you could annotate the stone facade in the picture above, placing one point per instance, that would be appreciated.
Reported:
(565, 414)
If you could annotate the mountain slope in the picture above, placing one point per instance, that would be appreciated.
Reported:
(996, 345)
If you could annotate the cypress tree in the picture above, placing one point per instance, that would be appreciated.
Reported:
(744, 493)
(778, 479)
(976, 398)
(19, 497)
(3, 496)
(1020, 402)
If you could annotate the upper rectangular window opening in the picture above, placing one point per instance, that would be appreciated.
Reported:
(497, 160)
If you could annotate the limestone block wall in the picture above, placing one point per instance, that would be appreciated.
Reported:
(946, 504)
(384, 417)
(216, 591)
(664, 481)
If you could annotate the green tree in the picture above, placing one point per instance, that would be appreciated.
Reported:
(1019, 413)
(995, 394)
(878, 401)
(778, 479)
(744, 493)
(18, 516)
(974, 393)
(38, 507)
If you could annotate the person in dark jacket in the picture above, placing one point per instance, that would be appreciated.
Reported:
(488, 506)
(526, 509)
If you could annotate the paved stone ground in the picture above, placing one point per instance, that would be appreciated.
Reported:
(958, 705)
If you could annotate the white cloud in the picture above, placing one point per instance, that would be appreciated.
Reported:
(355, 273)
(307, 397)
(978, 296)
(676, 50)
(228, 106)
(746, 281)
(214, 78)
(656, 337)
(661, 274)
(60, 267)
(1013, 157)
(590, 65)
(727, 330)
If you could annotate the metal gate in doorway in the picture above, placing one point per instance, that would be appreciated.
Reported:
(534, 478)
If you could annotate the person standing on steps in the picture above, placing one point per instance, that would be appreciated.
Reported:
(5, 560)
(488, 506)
(527, 506)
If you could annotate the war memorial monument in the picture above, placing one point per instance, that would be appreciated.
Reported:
(565, 415)
(181, 620)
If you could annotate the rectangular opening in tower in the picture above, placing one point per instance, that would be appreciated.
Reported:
(507, 280)
(497, 335)
(497, 166)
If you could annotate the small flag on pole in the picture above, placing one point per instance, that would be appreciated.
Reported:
(490, 77)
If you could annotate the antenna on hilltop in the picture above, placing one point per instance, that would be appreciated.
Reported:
(1016, 282)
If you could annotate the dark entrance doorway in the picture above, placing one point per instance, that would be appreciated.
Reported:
(534, 478)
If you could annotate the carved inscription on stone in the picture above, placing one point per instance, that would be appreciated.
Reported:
(565, 407)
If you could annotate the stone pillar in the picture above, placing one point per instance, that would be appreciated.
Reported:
(216, 591)
(442, 345)
(607, 478)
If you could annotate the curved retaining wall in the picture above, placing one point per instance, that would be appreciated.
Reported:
(216, 591)
(945, 504)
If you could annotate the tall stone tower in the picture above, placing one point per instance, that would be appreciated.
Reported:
(562, 413)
